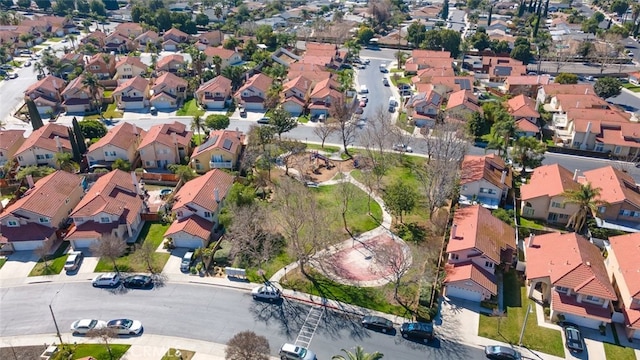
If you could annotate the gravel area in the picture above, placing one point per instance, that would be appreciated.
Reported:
(21, 352)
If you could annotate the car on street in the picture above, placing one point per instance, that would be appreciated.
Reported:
(107, 279)
(85, 325)
(293, 352)
(363, 103)
(366, 61)
(185, 264)
(378, 323)
(12, 75)
(311, 184)
(138, 282)
(266, 292)
(498, 352)
(125, 326)
(243, 112)
(363, 89)
(385, 81)
(417, 330)
(573, 337)
(402, 148)
(27, 64)
(359, 111)
(153, 110)
(383, 68)
(263, 120)
(361, 123)
(73, 260)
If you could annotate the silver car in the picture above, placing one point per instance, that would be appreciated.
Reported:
(293, 352)
(108, 279)
(85, 325)
(125, 326)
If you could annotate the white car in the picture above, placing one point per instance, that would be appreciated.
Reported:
(402, 148)
(266, 292)
(73, 260)
(293, 352)
(108, 279)
(85, 325)
(125, 326)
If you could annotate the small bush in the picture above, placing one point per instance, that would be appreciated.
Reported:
(221, 257)
(489, 305)
(426, 314)
(193, 270)
(425, 295)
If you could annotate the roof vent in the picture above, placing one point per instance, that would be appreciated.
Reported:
(588, 263)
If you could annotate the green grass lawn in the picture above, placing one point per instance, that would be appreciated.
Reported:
(400, 80)
(54, 39)
(327, 148)
(190, 108)
(151, 231)
(2, 261)
(99, 351)
(632, 87)
(531, 224)
(403, 123)
(516, 302)
(55, 262)
(303, 119)
(110, 111)
(616, 352)
(107, 93)
(358, 218)
(184, 354)
(269, 268)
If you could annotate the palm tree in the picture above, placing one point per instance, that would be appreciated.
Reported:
(586, 197)
(39, 68)
(217, 63)
(64, 160)
(72, 38)
(90, 81)
(358, 355)
(197, 125)
(235, 74)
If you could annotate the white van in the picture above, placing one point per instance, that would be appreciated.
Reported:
(363, 89)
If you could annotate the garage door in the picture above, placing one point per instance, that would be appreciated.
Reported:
(162, 104)
(26, 245)
(452, 291)
(253, 106)
(582, 321)
(187, 242)
(82, 244)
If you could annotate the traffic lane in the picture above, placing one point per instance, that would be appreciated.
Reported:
(379, 53)
(629, 102)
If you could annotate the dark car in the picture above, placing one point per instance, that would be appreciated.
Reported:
(138, 282)
(377, 323)
(574, 338)
(497, 352)
(417, 330)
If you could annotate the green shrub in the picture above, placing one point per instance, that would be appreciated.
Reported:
(425, 295)
(426, 314)
(221, 257)
(489, 305)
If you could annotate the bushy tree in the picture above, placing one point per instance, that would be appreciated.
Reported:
(121, 164)
(400, 198)
(34, 115)
(566, 78)
(607, 87)
(282, 121)
(217, 122)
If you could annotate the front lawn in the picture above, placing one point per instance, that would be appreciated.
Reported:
(109, 111)
(396, 80)
(404, 124)
(54, 39)
(617, 352)
(183, 355)
(190, 108)
(99, 351)
(632, 87)
(531, 224)
(55, 262)
(516, 303)
(2, 261)
(153, 232)
(270, 267)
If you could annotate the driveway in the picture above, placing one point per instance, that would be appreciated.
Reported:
(18, 265)
(172, 267)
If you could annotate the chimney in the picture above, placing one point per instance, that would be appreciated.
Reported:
(538, 81)
(58, 144)
(134, 181)
(588, 263)
(531, 237)
(135, 130)
(216, 195)
(503, 177)
(238, 133)
(454, 229)
(586, 91)
(174, 137)
(30, 181)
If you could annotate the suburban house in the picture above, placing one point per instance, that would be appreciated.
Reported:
(621, 197)
(103, 66)
(463, 104)
(129, 29)
(10, 142)
(485, 180)
(171, 63)
(228, 57)
(542, 196)
(210, 38)
(133, 94)
(623, 267)
(526, 85)
(175, 35)
(284, 57)
(322, 54)
(77, 98)
(215, 93)
(568, 272)
(111, 207)
(499, 68)
(34, 218)
(448, 84)
(523, 109)
(165, 144)
(546, 92)
(221, 150)
(168, 91)
(424, 76)
(170, 45)
(560, 103)
(197, 206)
(422, 59)
(95, 38)
(68, 64)
(315, 73)
(423, 107)
(42, 145)
(46, 94)
(121, 142)
(118, 43)
(254, 92)
(147, 40)
(325, 94)
(129, 67)
(294, 95)
(478, 243)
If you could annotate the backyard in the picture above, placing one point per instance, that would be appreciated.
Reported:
(55, 261)
(190, 108)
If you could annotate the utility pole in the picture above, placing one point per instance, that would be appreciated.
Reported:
(524, 325)
(53, 316)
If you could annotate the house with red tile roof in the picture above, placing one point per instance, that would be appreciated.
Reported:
(46, 94)
(118, 43)
(42, 145)
(478, 243)
(621, 197)
(120, 142)
(33, 219)
(562, 102)
(322, 54)
(423, 106)
(197, 206)
(221, 150)
(10, 142)
(210, 38)
(165, 144)
(128, 67)
(485, 180)
(253, 93)
(527, 85)
(425, 75)
(168, 91)
(215, 93)
(103, 66)
(542, 196)
(176, 35)
(111, 207)
(171, 63)
(147, 39)
(462, 104)
(324, 95)
(423, 59)
(448, 84)
(295, 93)
(129, 29)
(495, 68)
(133, 94)
(623, 267)
(568, 272)
(524, 112)
(313, 72)
(77, 97)
(95, 38)
(228, 57)
(548, 91)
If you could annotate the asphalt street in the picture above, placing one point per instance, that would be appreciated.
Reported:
(206, 313)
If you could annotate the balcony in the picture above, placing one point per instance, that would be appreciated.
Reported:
(221, 164)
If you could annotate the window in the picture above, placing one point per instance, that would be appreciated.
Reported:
(557, 205)
(19, 158)
(217, 158)
(105, 220)
(207, 214)
(599, 147)
(12, 223)
(147, 163)
(577, 144)
(454, 256)
(562, 289)
(617, 150)
(43, 220)
(563, 216)
(602, 209)
(488, 264)
(48, 156)
(109, 153)
(625, 212)
(39, 157)
(528, 211)
(487, 191)
(592, 299)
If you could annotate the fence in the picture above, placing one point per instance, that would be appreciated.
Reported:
(150, 217)
(151, 178)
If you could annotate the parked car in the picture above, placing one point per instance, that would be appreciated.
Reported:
(402, 148)
(85, 325)
(73, 260)
(385, 81)
(359, 110)
(417, 330)
(153, 110)
(363, 103)
(186, 261)
(383, 68)
(12, 75)
(573, 337)
(138, 282)
(27, 63)
(108, 279)
(292, 352)
(243, 112)
(266, 292)
(322, 117)
(497, 352)
(263, 120)
(311, 184)
(377, 323)
(361, 123)
(125, 326)
(363, 89)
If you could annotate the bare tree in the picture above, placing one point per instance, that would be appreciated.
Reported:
(375, 140)
(145, 254)
(397, 260)
(347, 195)
(325, 129)
(250, 235)
(247, 345)
(105, 334)
(43, 251)
(109, 247)
(342, 112)
(291, 149)
(380, 11)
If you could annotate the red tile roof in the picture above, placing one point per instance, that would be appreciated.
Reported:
(218, 84)
(548, 180)
(26, 232)
(522, 106)
(527, 126)
(219, 51)
(615, 186)
(121, 136)
(192, 225)
(10, 137)
(569, 304)
(201, 190)
(300, 83)
(580, 101)
(45, 138)
(577, 89)
(568, 260)
(138, 83)
(131, 60)
(477, 228)
(627, 251)
(168, 81)
(488, 167)
(470, 271)
(91, 230)
(49, 83)
(259, 81)
(528, 80)
(463, 98)
(164, 134)
(218, 138)
(165, 61)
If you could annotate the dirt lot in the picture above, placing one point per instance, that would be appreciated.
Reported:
(21, 352)
(318, 169)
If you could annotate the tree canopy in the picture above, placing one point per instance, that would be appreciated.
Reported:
(607, 87)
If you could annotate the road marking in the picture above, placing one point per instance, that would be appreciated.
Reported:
(309, 327)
